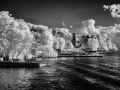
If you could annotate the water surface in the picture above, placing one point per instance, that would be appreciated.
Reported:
(86, 73)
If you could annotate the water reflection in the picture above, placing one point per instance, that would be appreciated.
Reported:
(15, 78)
(64, 73)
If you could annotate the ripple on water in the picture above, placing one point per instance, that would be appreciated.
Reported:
(65, 74)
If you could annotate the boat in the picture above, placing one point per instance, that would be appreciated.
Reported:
(18, 64)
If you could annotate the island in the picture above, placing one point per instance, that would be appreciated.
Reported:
(21, 43)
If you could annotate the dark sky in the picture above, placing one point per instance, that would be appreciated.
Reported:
(52, 13)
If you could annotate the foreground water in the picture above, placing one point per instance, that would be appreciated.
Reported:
(93, 73)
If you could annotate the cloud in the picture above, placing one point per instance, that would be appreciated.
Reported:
(63, 23)
(88, 28)
(71, 26)
(111, 30)
(114, 9)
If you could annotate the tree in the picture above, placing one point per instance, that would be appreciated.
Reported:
(59, 43)
(46, 38)
(13, 31)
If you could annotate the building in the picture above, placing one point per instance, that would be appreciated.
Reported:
(74, 39)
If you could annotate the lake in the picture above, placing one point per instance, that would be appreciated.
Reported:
(85, 73)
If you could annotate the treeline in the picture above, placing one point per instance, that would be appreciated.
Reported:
(20, 39)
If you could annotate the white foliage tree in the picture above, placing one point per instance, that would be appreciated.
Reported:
(68, 45)
(14, 31)
(47, 40)
(93, 44)
(59, 43)
(48, 51)
(65, 33)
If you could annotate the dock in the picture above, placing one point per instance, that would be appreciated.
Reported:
(12, 64)
(80, 56)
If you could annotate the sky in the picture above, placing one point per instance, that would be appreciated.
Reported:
(53, 13)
